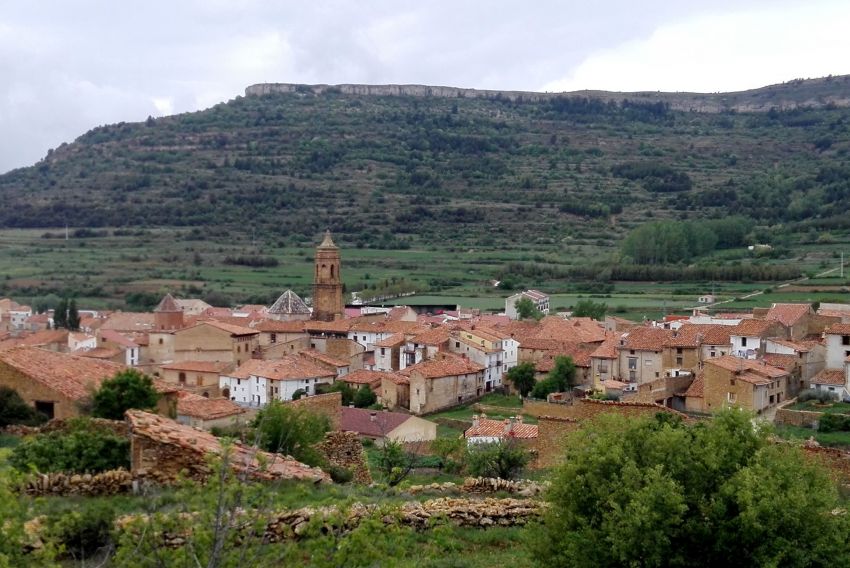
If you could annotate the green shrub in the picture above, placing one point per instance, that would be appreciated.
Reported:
(834, 423)
(13, 410)
(83, 447)
(823, 397)
(83, 531)
(504, 459)
(127, 389)
(364, 397)
(340, 474)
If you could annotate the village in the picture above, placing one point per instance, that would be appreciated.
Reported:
(218, 366)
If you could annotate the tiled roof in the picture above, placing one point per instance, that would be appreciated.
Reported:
(444, 367)
(392, 341)
(535, 295)
(340, 326)
(107, 353)
(788, 314)
(476, 345)
(229, 328)
(167, 304)
(780, 360)
(747, 367)
(129, 321)
(112, 336)
(488, 428)
(839, 329)
(243, 458)
(198, 366)
(327, 242)
(45, 337)
(645, 338)
(693, 335)
(614, 384)
(288, 368)
(372, 423)
(799, 346)
(829, 377)
(751, 328)
(436, 336)
(275, 326)
(289, 303)
(203, 408)
(697, 387)
(366, 377)
(324, 358)
(71, 375)
(608, 348)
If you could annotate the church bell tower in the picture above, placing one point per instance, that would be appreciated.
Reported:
(327, 284)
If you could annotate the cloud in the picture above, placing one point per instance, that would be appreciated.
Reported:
(722, 52)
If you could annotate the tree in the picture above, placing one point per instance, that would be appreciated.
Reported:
(60, 314)
(127, 389)
(658, 492)
(504, 459)
(13, 410)
(73, 320)
(291, 431)
(525, 309)
(590, 309)
(364, 397)
(395, 462)
(522, 378)
(560, 379)
(451, 452)
(341, 387)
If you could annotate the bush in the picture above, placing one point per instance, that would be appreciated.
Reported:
(504, 459)
(291, 431)
(364, 397)
(834, 423)
(83, 447)
(340, 474)
(823, 397)
(83, 531)
(13, 410)
(127, 389)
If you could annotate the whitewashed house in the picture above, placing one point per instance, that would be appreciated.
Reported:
(540, 300)
(257, 382)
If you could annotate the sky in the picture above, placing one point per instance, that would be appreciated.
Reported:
(67, 66)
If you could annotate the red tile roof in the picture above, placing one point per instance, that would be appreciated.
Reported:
(107, 353)
(167, 304)
(70, 375)
(780, 360)
(645, 338)
(243, 458)
(751, 328)
(234, 330)
(274, 326)
(829, 377)
(288, 368)
(608, 348)
(436, 336)
(197, 406)
(45, 337)
(749, 370)
(366, 377)
(112, 336)
(788, 314)
(839, 329)
(799, 346)
(392, 341)
(444, 367)
(488, 428)
(314, 355)
(697, 387)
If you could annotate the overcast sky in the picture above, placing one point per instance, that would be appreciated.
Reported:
(67, 66)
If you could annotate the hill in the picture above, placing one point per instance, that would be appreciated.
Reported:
(394, 167)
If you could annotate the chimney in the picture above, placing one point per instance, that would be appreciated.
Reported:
(519, 418)
(475, 421)
(372, 416)
(508, 425)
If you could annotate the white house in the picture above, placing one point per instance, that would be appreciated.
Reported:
(541, 302)
(836, 381)
(112, 339)
(256, 382)
(837, 345)
(497, 352)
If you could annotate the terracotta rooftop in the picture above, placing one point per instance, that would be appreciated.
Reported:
(394, 340)
(275, 326)
(198, 366)
(339, 327)
(488, 428)
(106, 353)
(747, 366)
(192, 440)
(444, 367)
(112, 336)
(751, 328)
(613, 384)
(645, 338)
(799, 346)
(45, 337)
(168, 305)
(70, 375)
(788, 314)
(780, 360)
(289, 303)
(839, 329)
(129, 321)
(694, 335)
(829, 377)
(376, 424)
(324, 358)
(203, 408)
(234, 330)
(608, 348)
(697, 387)
(288, 368)
(436, 336)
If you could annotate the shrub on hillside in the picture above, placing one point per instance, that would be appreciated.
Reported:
(823, 397)
(83, 447)
(834, 423)
(504, 459)
(82, 532)
(13, 410)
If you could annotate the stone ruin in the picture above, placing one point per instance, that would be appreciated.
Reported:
(343, 449)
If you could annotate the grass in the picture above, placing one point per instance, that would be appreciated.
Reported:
(831, 439)
(814, 406)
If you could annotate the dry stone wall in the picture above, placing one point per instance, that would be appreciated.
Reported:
(343, 449)
(106, 483)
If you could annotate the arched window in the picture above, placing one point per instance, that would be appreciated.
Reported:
(206, 394)
(332, 270)
(225, 392)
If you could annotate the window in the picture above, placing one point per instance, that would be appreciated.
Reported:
(457, 344)
(632, 376)
(631, 352)
(603, 367)
(199, 381)
(679, 361)
(632, 363)
(383, 351)
(845, 340)
(656, 374)
(678, 351)
(712, 354)
(274, 338)
(731, 397)
(45, 407)
(732, 382)
(743, 342)
(160, 341)
(182, 378)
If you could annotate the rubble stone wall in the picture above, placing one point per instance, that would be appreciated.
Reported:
(343, 449)
(106, 483)
(551, 432)
(329, 404)
(804, 418)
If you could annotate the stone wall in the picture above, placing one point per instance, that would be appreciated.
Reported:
(106, 483)
(329, 405)
(32, 391)
(484, 485)
(551, 431)
(343, 449)
(585, 409)
(166, 461)
(804, 418)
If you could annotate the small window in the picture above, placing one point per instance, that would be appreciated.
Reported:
(160, 341)
(845, 340)
(273, 338)
(182, 378)
(743, 342)
(732, 382)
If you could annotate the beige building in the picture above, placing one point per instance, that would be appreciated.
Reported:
(215, 341)
(442, 383)
(199, 377)
(749, 384)
(384, 425)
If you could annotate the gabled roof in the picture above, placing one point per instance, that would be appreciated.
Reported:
(235, 330)
(839, 329)
(45, 337)
(327, 242)
(436, 336)
(203, 408)
(314, 355)
(129, 321)
(645, 338)
(70, 375)
(751, 328)
(392, 341)
(376, 424)
(694, 335)
(366, 377)
(780, 360)
(276, 326)
(105, 353)
(746, 367)
(608, 348)
(168, 305)
(289, 303)
(243, 458)
(788, 314)
(799, 346)
(697, 387)
(113, 336)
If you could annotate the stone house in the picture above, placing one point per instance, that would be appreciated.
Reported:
(640, 354)
(340, 367)
(798, 320)
(749, 384)
(257, 382)
(363, 378)
(423, 347)
(497, 352)
(385, 425)
(53, 383)
(804, 359)
(387, 352)
(199, 377)
(274, 332)
(215, 341)
(129, 349)
(441, 383)
(605, 359)
(163, 448)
